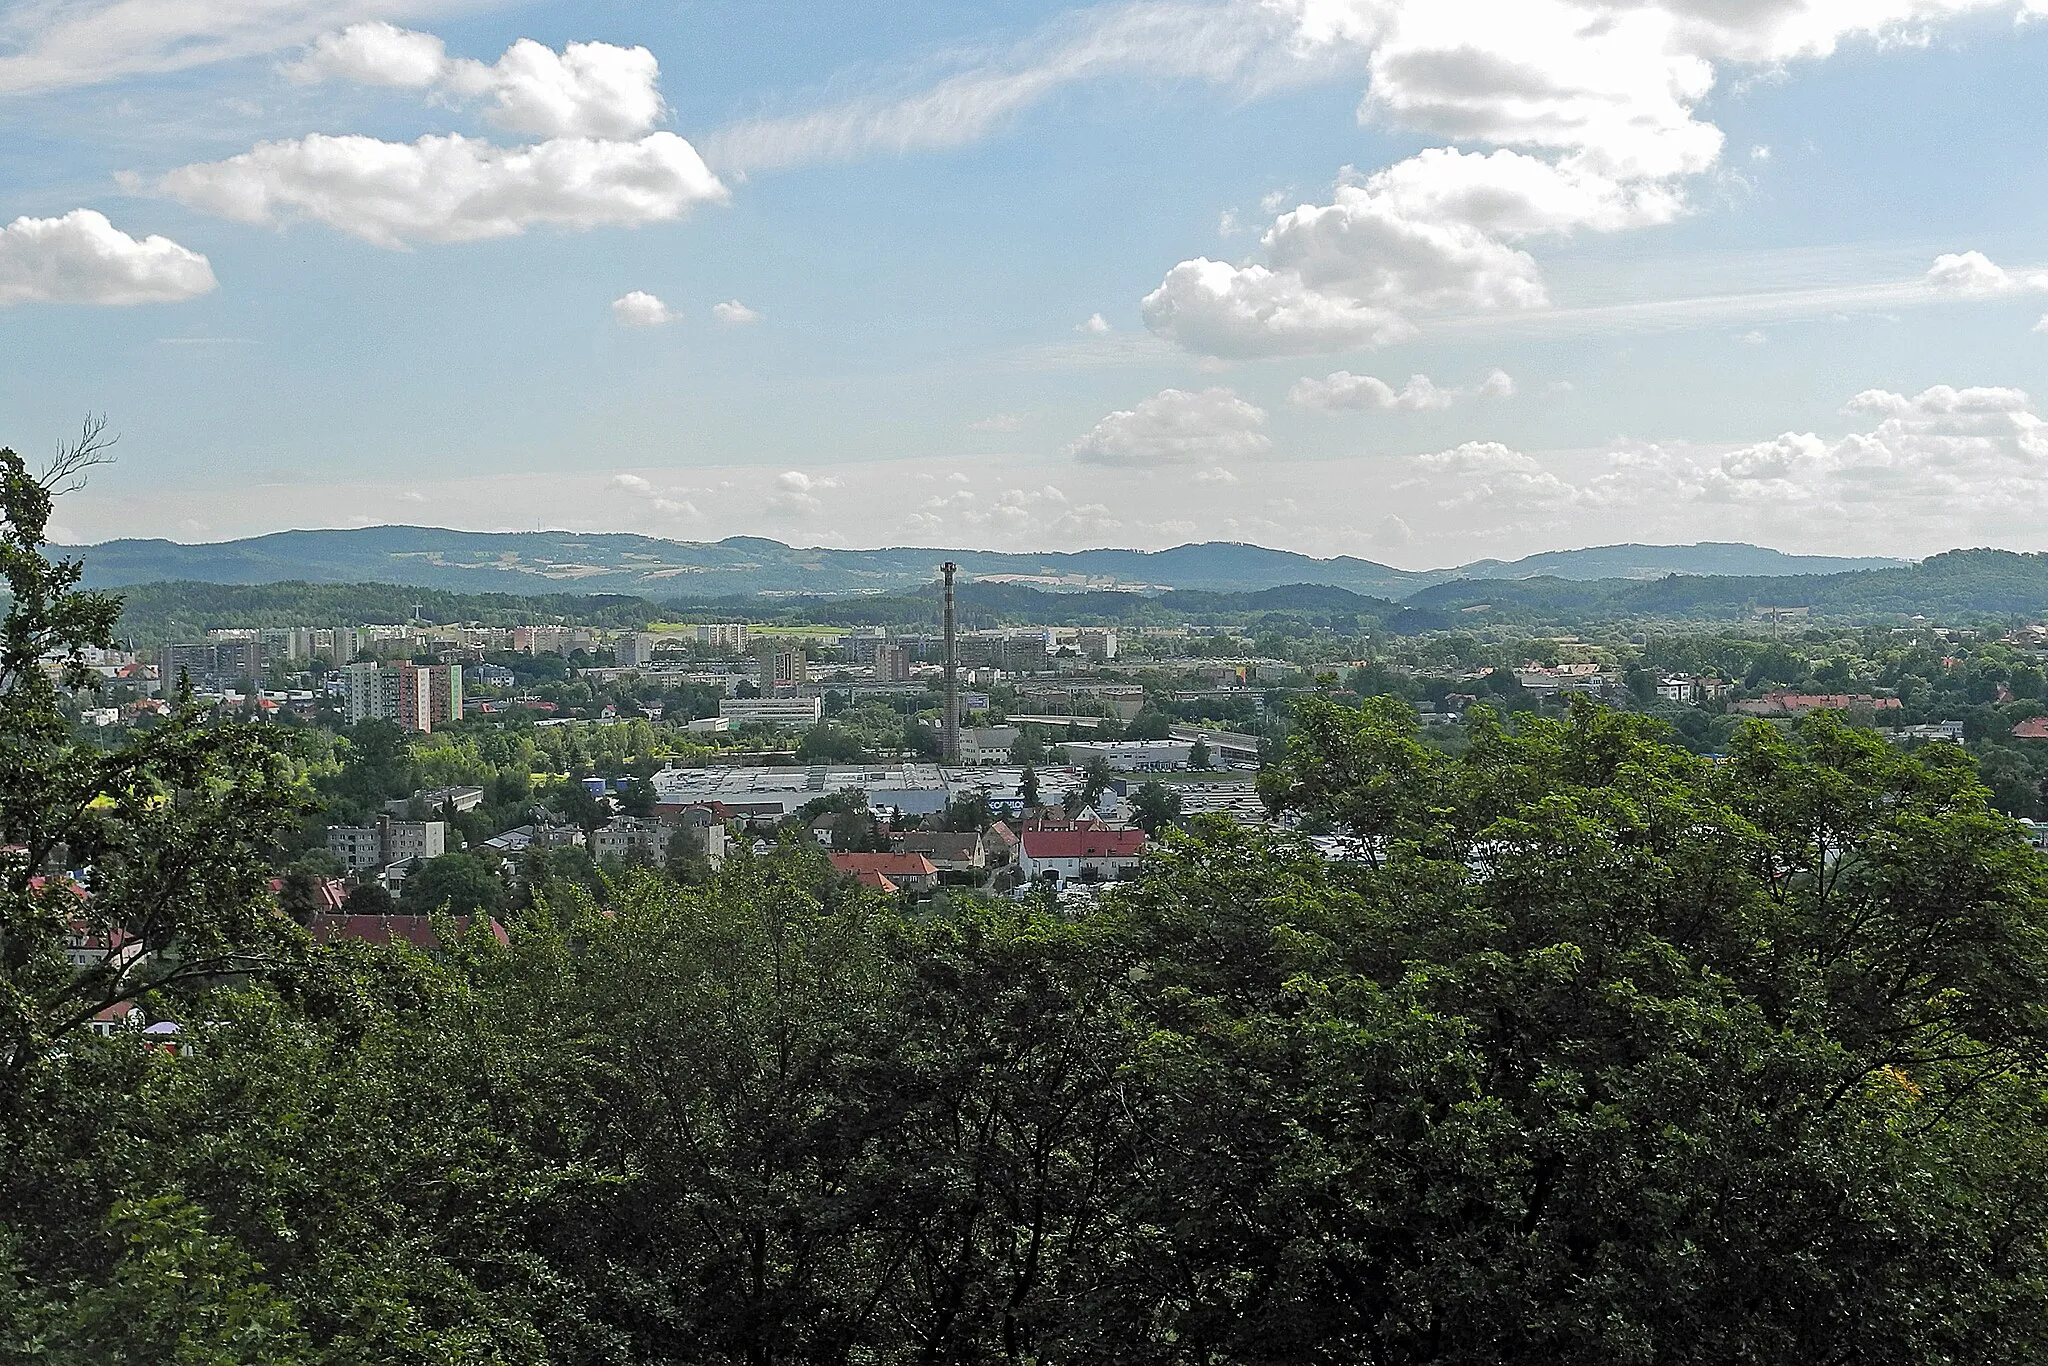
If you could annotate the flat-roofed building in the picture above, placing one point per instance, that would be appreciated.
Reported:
(784, 713)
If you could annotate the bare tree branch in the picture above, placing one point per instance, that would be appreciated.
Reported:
(68, 469)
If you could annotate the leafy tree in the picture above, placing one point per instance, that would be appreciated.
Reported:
(368, 899)
(638, 797)
(1027, 749)
(827, 744)
(1096, 779)
(969, 812)
(174, 828)
(1198, 755)
(1027, 788)
(461, 884)
(1154, 806)
(582, 807)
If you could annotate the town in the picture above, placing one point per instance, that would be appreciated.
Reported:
(462, 765)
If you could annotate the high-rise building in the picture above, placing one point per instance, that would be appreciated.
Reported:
(782, 670)
(728, 635)
(369, 692)
(214, 662)
(428, 695)
(634, 649)
(892, 664)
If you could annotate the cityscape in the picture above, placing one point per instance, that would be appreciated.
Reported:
(1158, 682)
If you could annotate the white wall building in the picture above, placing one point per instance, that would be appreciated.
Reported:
(784, 713)
(1130, 756)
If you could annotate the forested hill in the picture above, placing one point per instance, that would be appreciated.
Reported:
(1958, 583)
(547, 562)
(163, 611)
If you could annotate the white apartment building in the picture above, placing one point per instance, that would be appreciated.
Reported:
(1130, 756)
(622, 836)
(784, 713)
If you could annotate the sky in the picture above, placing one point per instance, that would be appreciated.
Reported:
(1422, 281)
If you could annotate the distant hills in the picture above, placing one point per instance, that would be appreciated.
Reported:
(1958, 585)
(551, 562)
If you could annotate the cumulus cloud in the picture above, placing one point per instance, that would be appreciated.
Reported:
(1095, 325)
(1969, 464)
(795, 493)
(373, 53)
(1344, 391)
(1176, 426)
(1433, 234)
(81, 258)
(1591, 108)
(734, 312)
(640, 309)
(1973, 275)
(587, 90)
(451, 188)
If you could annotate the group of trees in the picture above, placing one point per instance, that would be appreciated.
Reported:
(1578, 1050)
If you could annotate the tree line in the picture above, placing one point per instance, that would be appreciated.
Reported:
(1568, 1047)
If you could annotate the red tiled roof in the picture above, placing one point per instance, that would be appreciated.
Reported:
(888, 865)
(416, 930)
(1044, 844)
(2033, 728)
(868, 877)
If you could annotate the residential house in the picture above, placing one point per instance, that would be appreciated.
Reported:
(1081, 853)
(963, 855)
(911, 872)
(622, 837)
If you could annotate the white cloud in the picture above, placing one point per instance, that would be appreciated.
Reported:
(1094, 326)
(451, 188)
(633, 482)
(373, 53)
(640, 309)
(998, 422)
(1754, 338)
(1591, 107)
(1432, 234)
(795, 493)
(81, 258)
(54, 44)
(734, 312)
(1494, 477)
(587, 90)
(1219, 475)
(1243, 42)
(1346, 391)
(1974, 275)
(1176, 426)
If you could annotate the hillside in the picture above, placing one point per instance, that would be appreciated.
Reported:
(541, 562)
(1959, 583)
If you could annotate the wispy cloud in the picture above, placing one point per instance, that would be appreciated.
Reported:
(59, 44)
(1234, 43)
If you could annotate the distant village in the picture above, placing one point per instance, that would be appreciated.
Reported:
(1014, 761)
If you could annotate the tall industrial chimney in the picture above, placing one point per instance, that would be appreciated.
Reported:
(950, 747)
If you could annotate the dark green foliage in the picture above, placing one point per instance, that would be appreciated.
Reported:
(460, 884)
(1154, 806)
(1573, 1048)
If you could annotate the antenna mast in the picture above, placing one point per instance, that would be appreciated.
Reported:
(950, 747)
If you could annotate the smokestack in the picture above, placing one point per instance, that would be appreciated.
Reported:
(950, 748)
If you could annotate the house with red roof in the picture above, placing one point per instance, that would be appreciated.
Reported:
(911, 872)
(2033, 728)
(1091, 853)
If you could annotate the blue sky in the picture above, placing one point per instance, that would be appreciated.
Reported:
(1418, 280)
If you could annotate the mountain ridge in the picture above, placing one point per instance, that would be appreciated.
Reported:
(545, 562)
